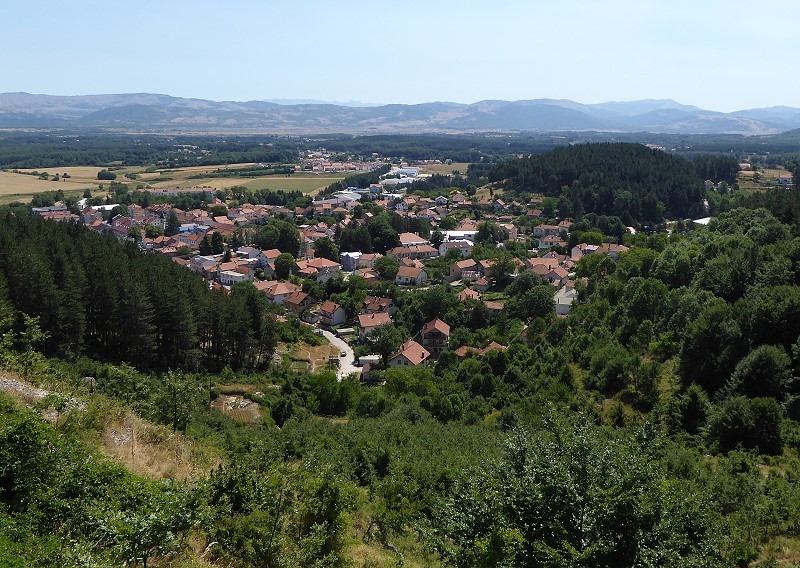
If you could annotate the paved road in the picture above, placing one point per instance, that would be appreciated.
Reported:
(346, 363)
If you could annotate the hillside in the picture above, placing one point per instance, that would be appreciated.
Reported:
(145, 112)
(630, 181)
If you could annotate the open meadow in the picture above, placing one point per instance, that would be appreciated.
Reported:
(23, 186)
(444, 169)
(305, 182)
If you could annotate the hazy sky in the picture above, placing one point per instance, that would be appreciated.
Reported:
(719, 55)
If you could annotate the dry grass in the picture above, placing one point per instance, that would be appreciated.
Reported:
(306, 183)
(76, 173)
(445, 169)
(154, 451)
(22, 186)
(11, 183)
(785, 550)
(768, 177)
(318, 355)
(239, 408)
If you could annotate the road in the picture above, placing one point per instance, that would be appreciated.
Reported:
(346, 363)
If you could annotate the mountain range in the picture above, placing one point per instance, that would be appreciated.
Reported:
(144, 112)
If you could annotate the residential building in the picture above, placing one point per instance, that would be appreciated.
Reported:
(410, 276)
(564, 298)
(368, 323)
(464, 269)
(320, 268)
(376, 304)
(411, 354)
(435, 336)
(277, 292)
(331, 313)
(297, 302)
(540, 231)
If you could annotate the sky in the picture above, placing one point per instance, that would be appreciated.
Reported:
(721, 55)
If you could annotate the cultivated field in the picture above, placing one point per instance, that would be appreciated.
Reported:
(22, 187)
(445, 169)
(768, 177)
(304, 182)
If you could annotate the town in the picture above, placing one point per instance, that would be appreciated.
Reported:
(223, 251)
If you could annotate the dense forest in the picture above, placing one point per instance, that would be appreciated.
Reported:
(95, 297)
(92, 148)
(635, 183)
(45, 149)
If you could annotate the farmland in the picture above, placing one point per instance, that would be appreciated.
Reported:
(23, 186)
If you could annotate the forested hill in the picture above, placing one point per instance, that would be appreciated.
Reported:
(98, 298)
(633, 182)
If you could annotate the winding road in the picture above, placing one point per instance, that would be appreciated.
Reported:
(346, 363)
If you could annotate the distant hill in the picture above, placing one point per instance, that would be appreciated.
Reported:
(163, 113)
(639, 185)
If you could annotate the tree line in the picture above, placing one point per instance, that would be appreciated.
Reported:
(636, 183)
(99, 298)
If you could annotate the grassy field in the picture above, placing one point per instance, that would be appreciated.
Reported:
(443, 168)
(304, 182)
(22, 187)
(768, 177)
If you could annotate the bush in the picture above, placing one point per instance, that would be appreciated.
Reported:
(752, 424)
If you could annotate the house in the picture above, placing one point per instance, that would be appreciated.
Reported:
(540, 231)
(320, 268)
(458, 199)
(411, 354)
(376, 304)
(510, 232)
(368, 275)
(349, 260)
(368, 323)
(461, 245)
(297, 302)
(494, 307)
(464, 269)
(435, 336)
(612, 250)
(564, 298)
(277, 292)
(558, 276)
(413, 252)
(581, 250)
(331, 313)
(481, 284)
(464, 350)
(551, 241)
(533, 213)
(410, 275)
(231, 277)
(412, 239)
(468, 294)
(367, 260)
